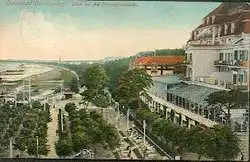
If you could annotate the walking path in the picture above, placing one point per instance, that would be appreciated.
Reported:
(52, 137)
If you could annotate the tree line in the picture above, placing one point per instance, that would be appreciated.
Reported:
(86, 130)
(126, 85)
(218, 143)
(25, 124)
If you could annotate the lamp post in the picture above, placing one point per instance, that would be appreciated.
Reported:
(118, 116)
(23, 90)
(37, 153)
(144, 133)
(62, 120)
(29, 89)
(11, 148)
(127, 120)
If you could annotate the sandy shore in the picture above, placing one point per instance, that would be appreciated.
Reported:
(30, 70)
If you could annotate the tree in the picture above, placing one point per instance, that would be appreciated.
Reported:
(114, 71)
(20, 143)
(132, 83)
(231, 100)
(63, 148)
(79, 140)
(95, 79)
(218, 143)
(72, 83)
(70, 107)
(36, 104)
(227, 143)
(101, 100)
(111, 136)
(198, 140)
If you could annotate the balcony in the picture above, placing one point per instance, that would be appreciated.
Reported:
(234, 63)
(245, 64)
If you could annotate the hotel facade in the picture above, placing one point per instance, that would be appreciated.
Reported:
(218, 50)
(217, 59)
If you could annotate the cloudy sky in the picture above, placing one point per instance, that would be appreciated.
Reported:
(49, 29)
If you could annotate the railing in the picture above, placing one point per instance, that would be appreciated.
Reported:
(232, 86)
(232, 63)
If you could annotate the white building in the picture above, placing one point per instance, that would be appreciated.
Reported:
(218, 50)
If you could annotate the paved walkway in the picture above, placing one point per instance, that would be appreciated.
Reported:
(52, 137)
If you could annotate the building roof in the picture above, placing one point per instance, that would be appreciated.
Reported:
(227, 8)
(68, 91)
(229, 12)
(159, 60)
(194, 93)
(167, 79)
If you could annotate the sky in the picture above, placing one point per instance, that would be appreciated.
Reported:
(76, 29)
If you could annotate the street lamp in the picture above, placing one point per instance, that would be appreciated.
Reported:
(144, 132)
(37, 154)
(62, 120)
(11, 147)
(118, 117)
(127, 120)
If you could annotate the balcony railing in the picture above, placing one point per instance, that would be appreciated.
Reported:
(237, 63)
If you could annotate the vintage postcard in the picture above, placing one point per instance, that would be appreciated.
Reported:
(113, 80)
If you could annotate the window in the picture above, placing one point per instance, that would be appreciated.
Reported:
(225, 29)
(234, 78)
(228, 56)
(207, 20)
(240, 78)
(213, 18)
(245, 76)
(247, 53)
(221, 56)
(231, 56)
(242, 56)
(235, 55)
(232, 27)
(219, 31)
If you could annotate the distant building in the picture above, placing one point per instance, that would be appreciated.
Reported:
(68, 93)
(218, 50)
(158, 65)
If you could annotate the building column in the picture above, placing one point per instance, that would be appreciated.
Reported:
(183, 118)
(174, 121)
(180, 118)
(189, 123)
(172, 98)
(166, 112)
(190, 103)
(153, 105)
(177, 100)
